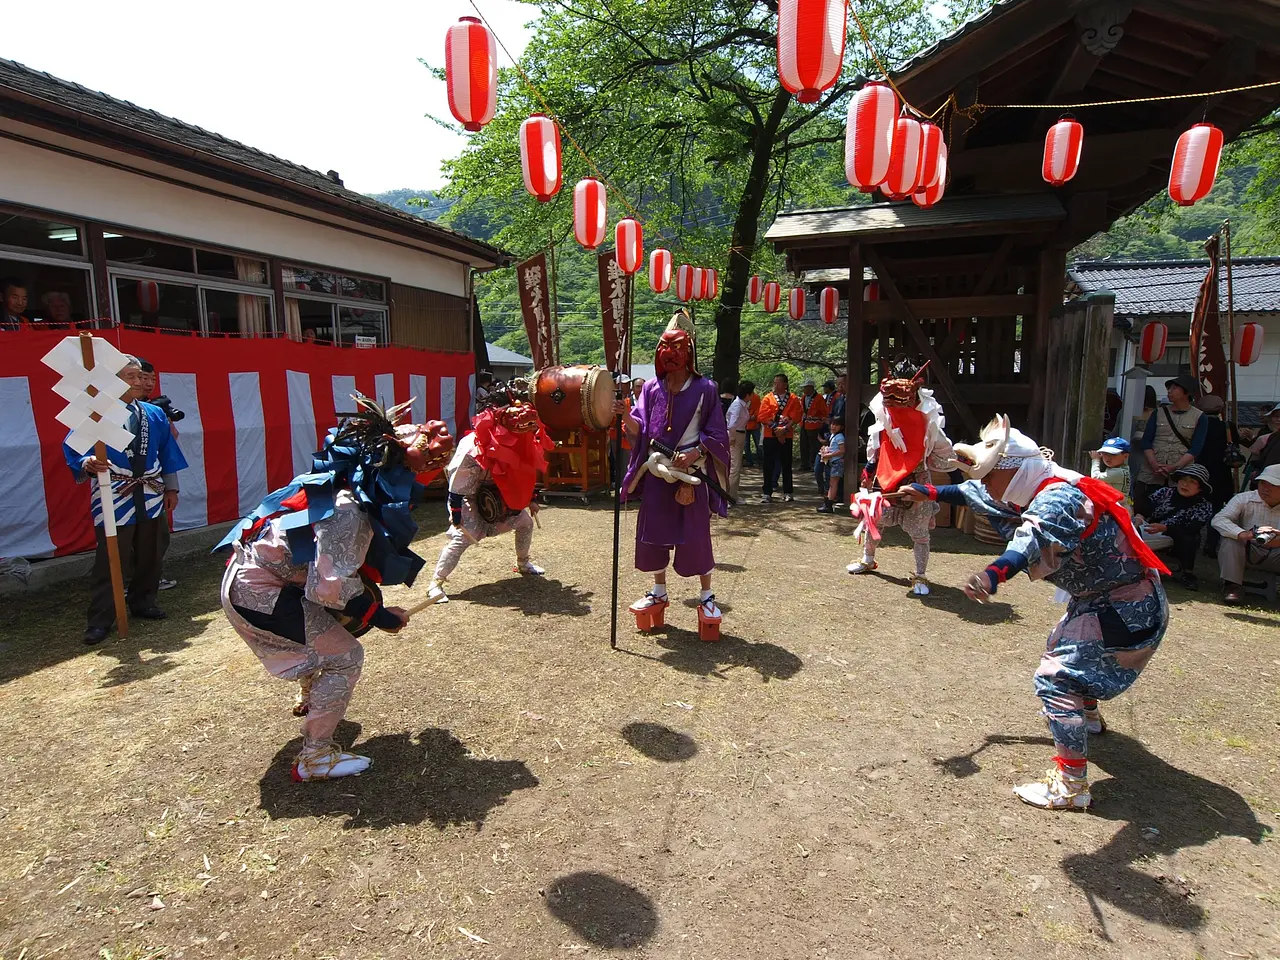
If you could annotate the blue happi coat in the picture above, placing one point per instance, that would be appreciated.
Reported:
(137, 474)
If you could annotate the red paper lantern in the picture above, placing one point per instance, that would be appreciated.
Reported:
(540, 156)
(1151, 343)
(660, 263)
(928, 196)
(1247, 347)
(1062, 146)
(628, 238)
(904, 166)
(699, 283)
(713, 280)
(829, 304)
(471, 73)
(933, 150)
(590, 213)
(810, 45)
(755, 289)
(772, 296)
(1195, 164)
(871, 292)
(685, 289)
(796, 305)
(869, 136)
(148, 296)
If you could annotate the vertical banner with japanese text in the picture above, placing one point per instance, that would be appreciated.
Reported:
(535, 305)
(615, 312)
(1208, 358)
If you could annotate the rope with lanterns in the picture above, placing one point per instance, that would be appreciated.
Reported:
(890, 146)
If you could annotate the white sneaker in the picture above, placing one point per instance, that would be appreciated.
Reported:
(766, 499)
(1056, 791)
(167, 584)
(862, 566)
(919, 585)
(435, 592)
(529, 569)
(788, 499)
(650, 599)
(329, 763)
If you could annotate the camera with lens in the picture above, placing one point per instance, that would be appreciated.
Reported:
(170, 411)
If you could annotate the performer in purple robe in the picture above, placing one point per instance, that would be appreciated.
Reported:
(679, 469)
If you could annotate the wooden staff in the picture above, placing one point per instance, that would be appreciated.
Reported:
(108, 501)
(1231, 349)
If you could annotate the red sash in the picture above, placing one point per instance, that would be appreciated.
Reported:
(1107, 499)
(893, 466)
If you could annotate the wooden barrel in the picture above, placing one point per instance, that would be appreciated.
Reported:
(985, 532)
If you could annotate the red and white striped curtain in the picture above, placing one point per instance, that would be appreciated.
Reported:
(256, 410)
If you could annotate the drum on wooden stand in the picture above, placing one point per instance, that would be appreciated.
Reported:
(573, 398)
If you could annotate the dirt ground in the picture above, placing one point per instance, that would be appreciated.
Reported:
(832, 780)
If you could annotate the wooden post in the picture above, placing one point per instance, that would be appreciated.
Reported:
(1231, 328)
(856, 370)
(1096, 346)
(1050, 275)
(108, 507)
(555, 299)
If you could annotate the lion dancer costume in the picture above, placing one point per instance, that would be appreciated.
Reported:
(492, 478)
(1074, 532)
(906, 441)
(679, 471)
(303, 582)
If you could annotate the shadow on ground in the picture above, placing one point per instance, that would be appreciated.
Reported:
(532, 596)
(431, 777)
(659, 742)
(602, 910)
(685, 652)
(1163, 809)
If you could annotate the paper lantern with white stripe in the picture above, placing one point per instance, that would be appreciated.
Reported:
(699, 283)
(590, 213)
(796, 304)
(829, 304)
(660, 264)
(904, 167)
(471, 73)
(871, 291)
(755, 289)
(926, 197)
(628, 237)
(713, 280)
(685, 289)
(810, 45)
(1247, 347)
(772, 296)
(933, 150)
(1062, 146)
(1195, 164)
(1152, 342)
(148, 296)
(540, 156)
(869, 135)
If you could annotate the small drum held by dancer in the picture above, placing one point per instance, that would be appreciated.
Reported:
(573, 398)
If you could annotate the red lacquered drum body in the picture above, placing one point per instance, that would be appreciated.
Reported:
(571, 398)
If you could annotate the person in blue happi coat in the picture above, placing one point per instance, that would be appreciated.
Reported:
(144, 481)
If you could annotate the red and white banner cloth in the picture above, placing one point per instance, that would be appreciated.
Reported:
(256, 410)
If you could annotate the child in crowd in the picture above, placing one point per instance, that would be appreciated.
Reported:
(832, 458)
(1180, 512)
(1111, 466)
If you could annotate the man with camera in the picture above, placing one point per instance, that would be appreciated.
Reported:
(1250, 529)
(144, 486)
(149, 381)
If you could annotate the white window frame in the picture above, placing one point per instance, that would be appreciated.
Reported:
(177, 278)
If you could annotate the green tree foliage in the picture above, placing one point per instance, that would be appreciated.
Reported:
(679, 107)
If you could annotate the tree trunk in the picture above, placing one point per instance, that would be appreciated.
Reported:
(746, 231)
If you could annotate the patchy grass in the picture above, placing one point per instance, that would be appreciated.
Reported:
(831, 780)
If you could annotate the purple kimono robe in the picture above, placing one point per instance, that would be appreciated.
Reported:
(693, 416)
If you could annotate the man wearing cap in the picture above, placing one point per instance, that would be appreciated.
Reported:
(815, 419)
(1266, 448)
(1250, 528)
(1173, 438)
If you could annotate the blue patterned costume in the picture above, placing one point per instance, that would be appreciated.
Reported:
(1117, 614)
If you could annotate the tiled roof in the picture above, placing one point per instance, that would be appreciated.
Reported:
(877, 218)
(63, 95)
(966, 28)
(508, 358)
(1143, 288)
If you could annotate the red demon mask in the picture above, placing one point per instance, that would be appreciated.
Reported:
(675, 352)
(427, 446)
(519, 417)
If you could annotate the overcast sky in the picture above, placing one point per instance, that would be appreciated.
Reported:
(330, 85)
